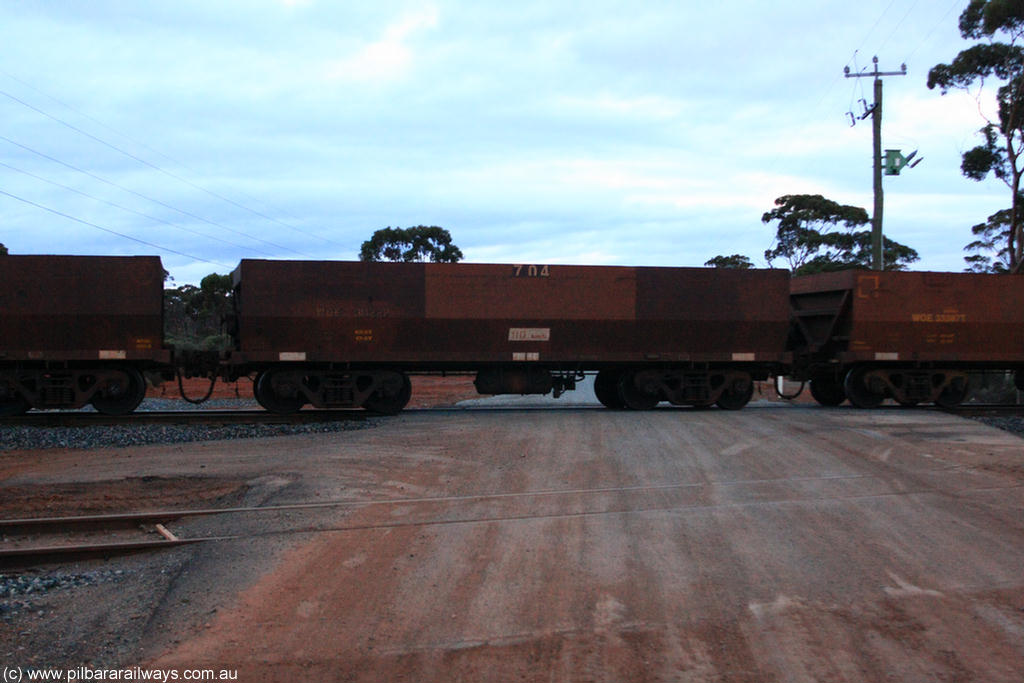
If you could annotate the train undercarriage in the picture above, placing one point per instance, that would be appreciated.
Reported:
(867, 386)
(284, 389)
(111, 390)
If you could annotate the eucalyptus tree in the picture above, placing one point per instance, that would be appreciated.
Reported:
(815, 234)
(738, 261)
(420, 243)
(999, 56)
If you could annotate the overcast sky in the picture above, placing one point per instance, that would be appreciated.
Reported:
(634, 133)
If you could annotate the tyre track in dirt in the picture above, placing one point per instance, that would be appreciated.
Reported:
(776, 545)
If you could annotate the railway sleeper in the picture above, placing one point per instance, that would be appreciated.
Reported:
(111, 390)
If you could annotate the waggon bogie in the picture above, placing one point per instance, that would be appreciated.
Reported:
(737, 390)
(864, 388)
(606, 388)
(12, 402)
(118, 391)
(112, 390)
(287, 389)
(729, 388)
(868, 386)
(391, 393)
(640, 389)
(827, 389)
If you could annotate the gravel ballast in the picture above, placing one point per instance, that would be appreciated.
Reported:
(1013, 423)
(20, 437)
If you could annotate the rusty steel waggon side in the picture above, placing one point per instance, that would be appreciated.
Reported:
(76, 330)
(347, 334)
(912, 336)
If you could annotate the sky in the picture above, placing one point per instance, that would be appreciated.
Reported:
(620, 133)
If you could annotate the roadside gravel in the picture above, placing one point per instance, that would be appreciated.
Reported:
(18, 437)
(18, 591)
(1013, 423)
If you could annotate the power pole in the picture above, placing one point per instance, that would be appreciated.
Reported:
(877, 262)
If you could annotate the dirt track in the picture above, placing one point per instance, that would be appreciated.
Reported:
(776, 544)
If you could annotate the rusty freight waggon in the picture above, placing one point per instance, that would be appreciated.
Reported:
(76, 330)
(343, 334)
(911, 336)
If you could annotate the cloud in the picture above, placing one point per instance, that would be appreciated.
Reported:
(390, 57)
(605, 132)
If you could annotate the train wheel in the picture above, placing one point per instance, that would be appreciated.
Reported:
(859, 390)
(827, 391)
(736, 395)
(634, 395)
(121, 395)
(392, 395)
(954, 393)
(12, 402)
(606, 387)
(277, 394)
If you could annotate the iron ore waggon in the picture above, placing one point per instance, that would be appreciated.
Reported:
(911, 336)
(76, 330)
(342, 334)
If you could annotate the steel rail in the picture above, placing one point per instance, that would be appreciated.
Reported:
(38, 554)
(201, 416)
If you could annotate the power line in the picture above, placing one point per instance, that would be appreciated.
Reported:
(934, 28)
(875, 25)
(159, 169)
(124, 208)
(112, 232)
(897, 27)
(147, 198)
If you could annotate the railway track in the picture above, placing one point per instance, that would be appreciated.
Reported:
(258, 416)
(31, 542)
(81, 418)
(986, 410)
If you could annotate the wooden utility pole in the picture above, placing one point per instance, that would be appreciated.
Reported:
(877, 262)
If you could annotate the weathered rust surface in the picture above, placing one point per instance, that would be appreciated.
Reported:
(463, 314)
(538, 292)
(81, 308)
(916, 316)
(327, 310)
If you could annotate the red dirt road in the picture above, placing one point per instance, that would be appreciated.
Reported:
(776, 544)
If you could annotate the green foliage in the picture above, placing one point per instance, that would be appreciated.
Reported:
(3, 250)
(991, 253)
(805, 227)
(738, 261)
(1003, 139)
(420, 243)
(815, 235)
(853, 250)
(193, 315)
